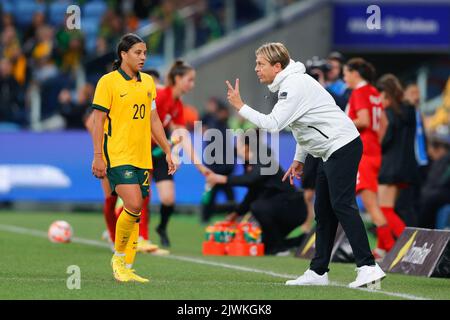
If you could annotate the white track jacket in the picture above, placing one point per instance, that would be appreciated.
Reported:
(319, 126)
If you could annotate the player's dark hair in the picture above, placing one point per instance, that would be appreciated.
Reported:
(365, 69)
(390, 85)
(179, 68)
(125, 44)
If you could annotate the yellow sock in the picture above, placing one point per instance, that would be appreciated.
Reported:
(124, 227)
(131, 248)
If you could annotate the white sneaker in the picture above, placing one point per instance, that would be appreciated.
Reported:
(369, 276)
(106, 236)
(309, 278)
(285, 253)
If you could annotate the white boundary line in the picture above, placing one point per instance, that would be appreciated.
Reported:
(95, 243)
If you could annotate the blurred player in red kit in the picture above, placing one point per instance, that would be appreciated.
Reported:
(366, 111)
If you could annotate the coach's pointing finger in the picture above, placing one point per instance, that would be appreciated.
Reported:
(233, 95)
(230, 88)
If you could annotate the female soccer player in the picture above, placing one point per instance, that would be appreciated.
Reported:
(110, 210)
(125, 120)
(323, 130)
(180, 80)
(366, 111)
(399, 167)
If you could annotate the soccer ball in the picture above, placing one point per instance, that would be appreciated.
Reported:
(60, 232)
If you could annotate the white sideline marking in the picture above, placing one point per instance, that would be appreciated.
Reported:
(96, 243)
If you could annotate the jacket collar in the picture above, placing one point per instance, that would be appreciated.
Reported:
(291, 68)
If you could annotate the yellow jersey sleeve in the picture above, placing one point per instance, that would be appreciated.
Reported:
(103, 96)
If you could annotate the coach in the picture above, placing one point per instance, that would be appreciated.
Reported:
(323, 130)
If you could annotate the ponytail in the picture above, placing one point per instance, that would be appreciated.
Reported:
(116, 64)
(391, 86)
(179, 68)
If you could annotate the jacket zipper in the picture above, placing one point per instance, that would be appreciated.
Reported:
(318, 131)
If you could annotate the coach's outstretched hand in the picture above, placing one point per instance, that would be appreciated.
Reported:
(234, 96)
(295, 170)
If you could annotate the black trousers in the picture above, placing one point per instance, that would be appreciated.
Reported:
(278, 215)
(336, 203)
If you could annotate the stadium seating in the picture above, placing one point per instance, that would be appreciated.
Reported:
(94, 9)
(154, 61)
(90, 29)
(7, 6)
(57, 12)
(24, 10)
(92, 16)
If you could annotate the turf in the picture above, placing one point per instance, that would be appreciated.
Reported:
(31, 267)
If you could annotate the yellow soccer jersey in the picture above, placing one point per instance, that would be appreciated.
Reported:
(128, 104)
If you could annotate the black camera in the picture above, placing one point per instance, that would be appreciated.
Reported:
(316, 67)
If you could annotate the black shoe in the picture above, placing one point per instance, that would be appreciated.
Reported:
(165, 243)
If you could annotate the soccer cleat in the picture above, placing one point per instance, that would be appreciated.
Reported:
(285, 253)
(107, 238)
(146, 246)
(160, 252)
(309, 278)
(134, 277)
(163, 237)
(368, 276)
(120, 272)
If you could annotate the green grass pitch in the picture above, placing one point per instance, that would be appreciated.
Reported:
(31, 267)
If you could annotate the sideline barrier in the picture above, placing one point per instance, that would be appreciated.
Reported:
(420, 252)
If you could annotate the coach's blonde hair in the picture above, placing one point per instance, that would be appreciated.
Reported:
(274, 52)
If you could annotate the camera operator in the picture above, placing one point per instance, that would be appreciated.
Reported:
(321, 70)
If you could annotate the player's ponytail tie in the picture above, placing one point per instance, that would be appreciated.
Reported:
(116, 64)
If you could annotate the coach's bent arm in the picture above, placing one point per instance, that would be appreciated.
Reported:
(284, 112)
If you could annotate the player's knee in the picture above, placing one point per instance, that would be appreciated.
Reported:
(308, 196)
(167, 200)
(135, 206)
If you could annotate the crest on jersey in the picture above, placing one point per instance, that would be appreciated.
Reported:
(128, 174)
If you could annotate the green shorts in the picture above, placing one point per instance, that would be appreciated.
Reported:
(128, 174)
